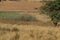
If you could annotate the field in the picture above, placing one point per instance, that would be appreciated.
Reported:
(19, 6)
(12, 29)
(28, 32)
(27, 23)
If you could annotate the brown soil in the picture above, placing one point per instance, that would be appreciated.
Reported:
(19, 6)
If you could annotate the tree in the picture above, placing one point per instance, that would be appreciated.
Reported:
(52, 9)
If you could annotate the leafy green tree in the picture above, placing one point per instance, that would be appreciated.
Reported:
(52, 9)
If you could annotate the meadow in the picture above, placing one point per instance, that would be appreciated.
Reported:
(33, 27)
(28, 32)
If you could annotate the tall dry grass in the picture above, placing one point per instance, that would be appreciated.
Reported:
(28, 32)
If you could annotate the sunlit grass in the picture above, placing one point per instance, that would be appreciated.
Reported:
(28, 32)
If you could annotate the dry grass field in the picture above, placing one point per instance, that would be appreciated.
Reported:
(41, 30)
(22, 30)
(28, 32)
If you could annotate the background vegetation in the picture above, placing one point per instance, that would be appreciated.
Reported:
(52, 9)
(16, 16)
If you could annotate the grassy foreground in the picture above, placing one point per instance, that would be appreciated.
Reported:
(28, 32)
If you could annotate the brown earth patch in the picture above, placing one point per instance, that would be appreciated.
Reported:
(19, 6)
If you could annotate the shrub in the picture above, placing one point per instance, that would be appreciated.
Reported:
(52, 9)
